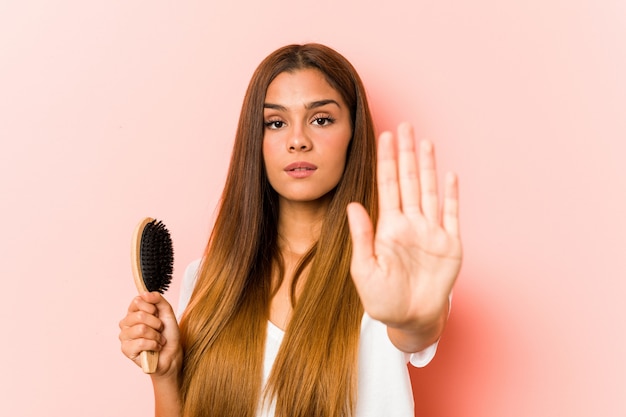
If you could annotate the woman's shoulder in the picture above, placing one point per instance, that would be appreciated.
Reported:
(191, 270)
(189, 281)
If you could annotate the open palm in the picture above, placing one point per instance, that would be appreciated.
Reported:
(405, 269)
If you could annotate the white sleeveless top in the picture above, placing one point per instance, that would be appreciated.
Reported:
(384, 387)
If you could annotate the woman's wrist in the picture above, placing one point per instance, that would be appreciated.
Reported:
(416, 336)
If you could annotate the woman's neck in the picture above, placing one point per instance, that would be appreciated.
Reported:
(299, 226)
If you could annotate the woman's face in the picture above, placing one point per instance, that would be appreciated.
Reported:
(306, 136)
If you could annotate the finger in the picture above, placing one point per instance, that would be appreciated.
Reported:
(154, 301)
(164, 309)
(166, 314)
(451, 205)
(140, 304)
(387, 174)
(408, 170)
(362, 233)
(141, 331)
(428, 181)
(132, 348)
(141, 318)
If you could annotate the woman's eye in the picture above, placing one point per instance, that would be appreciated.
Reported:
(274, 124)
(323, 121)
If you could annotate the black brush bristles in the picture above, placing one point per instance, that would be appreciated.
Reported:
(156, 256)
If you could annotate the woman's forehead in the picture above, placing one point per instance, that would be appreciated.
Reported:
(301, 88)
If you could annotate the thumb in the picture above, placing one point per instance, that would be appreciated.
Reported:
(362, 234)
(164, 308)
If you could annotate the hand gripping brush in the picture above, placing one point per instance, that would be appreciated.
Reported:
(152, 258)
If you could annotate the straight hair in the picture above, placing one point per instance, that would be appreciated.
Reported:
(223, 330)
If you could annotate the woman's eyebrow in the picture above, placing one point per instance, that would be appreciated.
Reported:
(308, 106)
(320, 103)
(274, 107)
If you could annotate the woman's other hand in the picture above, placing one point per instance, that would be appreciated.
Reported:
(405, 270)
(150, 324)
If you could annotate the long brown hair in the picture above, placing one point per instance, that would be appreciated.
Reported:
(224, 327)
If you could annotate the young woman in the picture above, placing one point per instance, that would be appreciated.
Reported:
(328, 268)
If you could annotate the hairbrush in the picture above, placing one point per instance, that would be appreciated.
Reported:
(152, 258)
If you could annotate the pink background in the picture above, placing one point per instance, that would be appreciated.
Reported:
(113, 110)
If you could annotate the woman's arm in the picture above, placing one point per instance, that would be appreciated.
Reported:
(167, 401)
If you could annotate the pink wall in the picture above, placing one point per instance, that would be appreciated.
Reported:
(112, 110)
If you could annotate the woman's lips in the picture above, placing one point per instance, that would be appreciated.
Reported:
(300, 169)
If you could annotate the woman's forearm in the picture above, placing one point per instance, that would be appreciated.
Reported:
(167, 397)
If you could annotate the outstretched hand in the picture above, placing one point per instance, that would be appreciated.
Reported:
(404, 271)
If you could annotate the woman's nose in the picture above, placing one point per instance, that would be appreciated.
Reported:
(299, 140)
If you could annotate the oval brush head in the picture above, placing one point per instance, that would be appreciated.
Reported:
(156, 256)
(152, 257)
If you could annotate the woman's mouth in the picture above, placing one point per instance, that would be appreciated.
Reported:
(300, 169)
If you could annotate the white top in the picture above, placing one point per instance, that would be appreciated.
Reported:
(384, 387)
